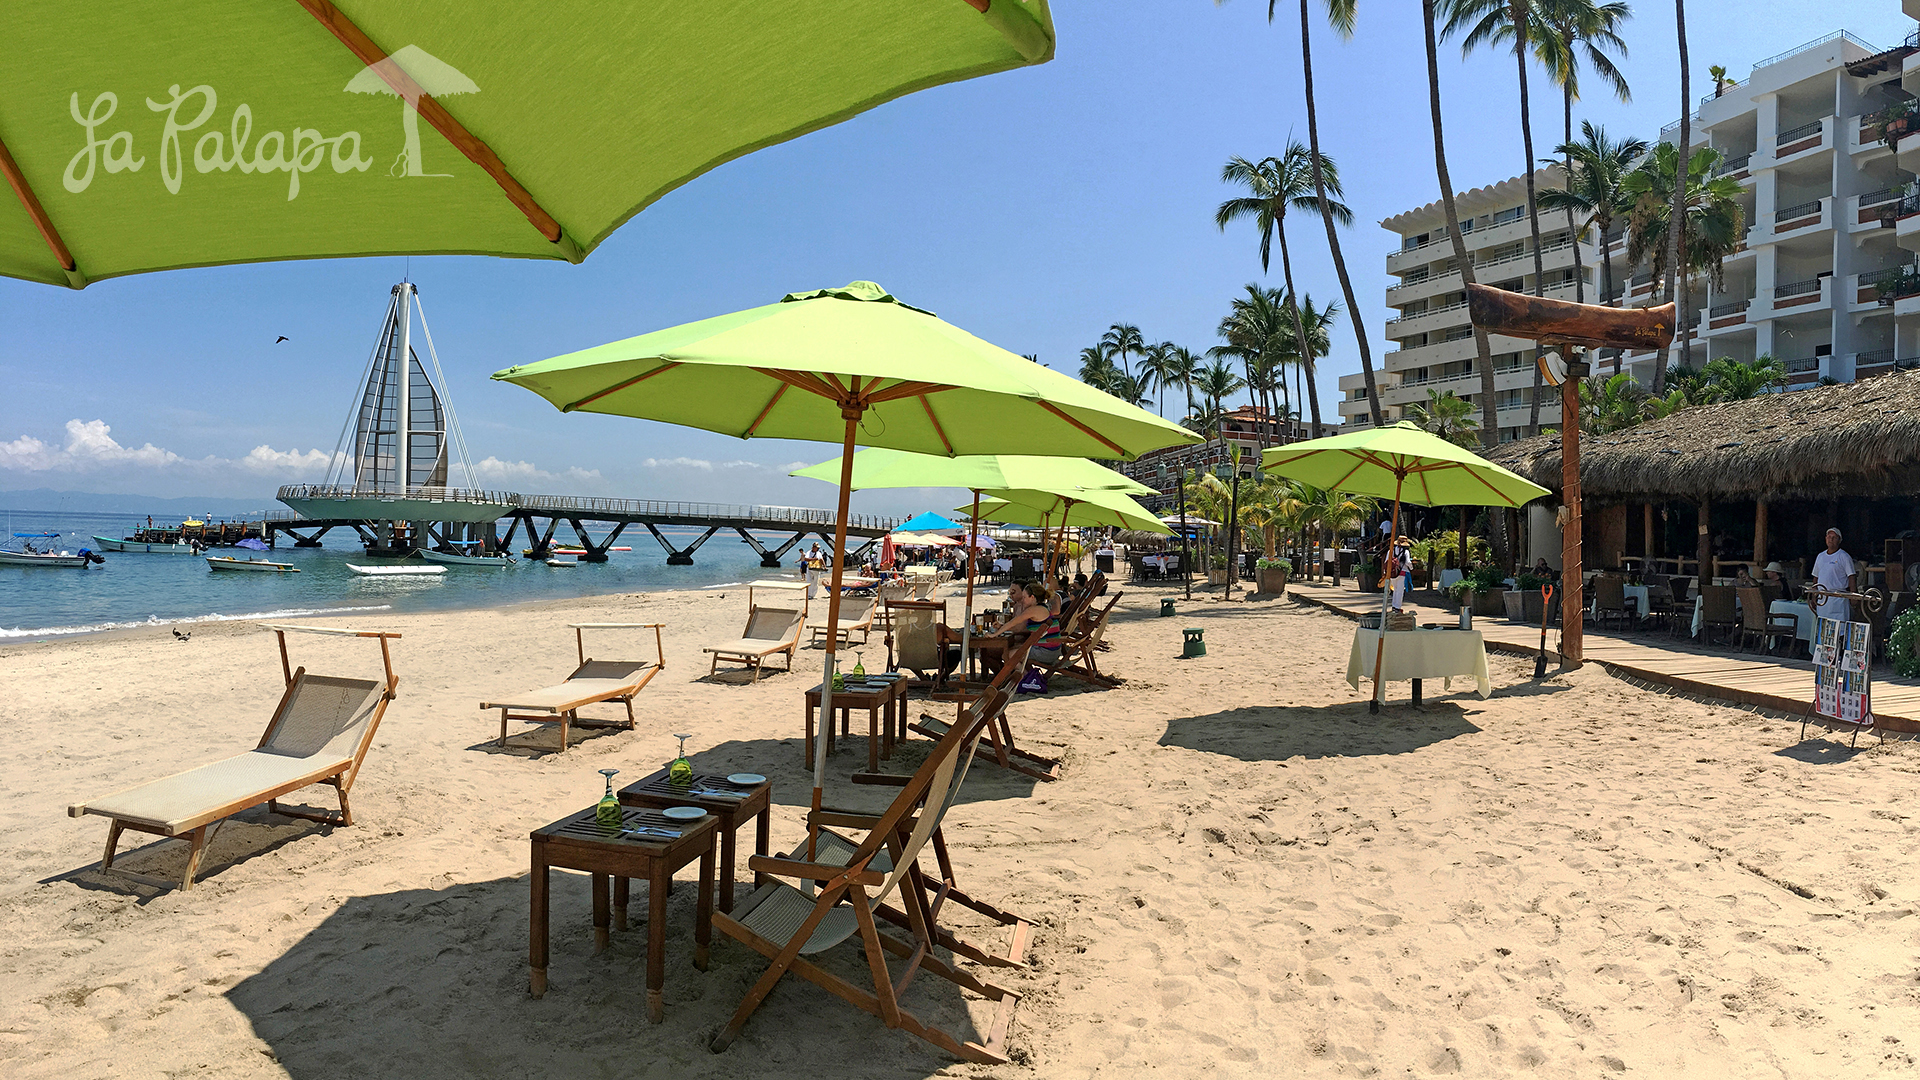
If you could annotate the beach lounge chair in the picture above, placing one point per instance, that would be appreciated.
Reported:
(1079, 651)
(592, 682)
(789, 924)
(769, 631)
(856, 617)
(319, 734)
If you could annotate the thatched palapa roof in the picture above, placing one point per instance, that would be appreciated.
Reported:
(1858, 438)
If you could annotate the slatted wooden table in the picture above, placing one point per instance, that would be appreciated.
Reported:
(733, 804)
(577, 842)
(881, 701)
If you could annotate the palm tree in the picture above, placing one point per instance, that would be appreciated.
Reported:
(1596, 170)
(1183, 367)
(1156, 371)
(1713, 222)
(1610, 403)
(1254, 330)
(1575, 27)
(1122, 340)
(1277, 184)
(1217, 382)
(1316, 325)
(1489, 397)
(1340, 15)
(1448, 416)
(1676, 241)
(1730, 380)
(1518, 22)
(1096, 368)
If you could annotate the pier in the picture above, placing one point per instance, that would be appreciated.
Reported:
(397, 524)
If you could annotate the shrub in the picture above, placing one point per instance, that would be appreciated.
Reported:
(1275, 564)
(1900, 642)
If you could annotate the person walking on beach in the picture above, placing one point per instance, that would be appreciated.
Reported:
(1834, 571)
(1400, 569)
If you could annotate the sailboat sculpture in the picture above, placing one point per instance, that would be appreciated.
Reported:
(401, 447)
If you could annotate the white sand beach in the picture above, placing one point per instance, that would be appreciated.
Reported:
(1240, 873)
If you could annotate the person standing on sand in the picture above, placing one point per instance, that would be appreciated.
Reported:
(1833, 569)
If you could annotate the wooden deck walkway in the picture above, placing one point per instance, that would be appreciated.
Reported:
(1746, 678)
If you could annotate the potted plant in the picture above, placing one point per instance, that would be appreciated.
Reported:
(1217, 569)
(1898, 120)
(1421, 552)
(1272, 575)
(1368, 573)
(1483, 590)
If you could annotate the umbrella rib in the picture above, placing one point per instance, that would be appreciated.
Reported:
(476, 150)
(617, 387)
(811, 383)
(1102, 439)
(935, 421)
(906, 390)
(38, 213)
(778, 392)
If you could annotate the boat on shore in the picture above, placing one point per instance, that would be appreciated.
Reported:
(397, 571)
(108, 543)
(62, 559)
(453, 559)
(227, 562)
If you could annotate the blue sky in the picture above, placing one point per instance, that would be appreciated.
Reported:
(1032, 208)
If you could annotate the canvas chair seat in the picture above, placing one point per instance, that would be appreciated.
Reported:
(593, 682)
(768, 631)
(833, 849)
(776, 910)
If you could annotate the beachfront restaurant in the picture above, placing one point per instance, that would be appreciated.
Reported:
(1745, 484)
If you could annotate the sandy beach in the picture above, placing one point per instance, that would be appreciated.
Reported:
(1241, 872)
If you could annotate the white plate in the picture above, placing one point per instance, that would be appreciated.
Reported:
(747, 779)
(684, 813)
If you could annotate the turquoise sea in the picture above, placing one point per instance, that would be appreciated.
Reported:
(139, 589)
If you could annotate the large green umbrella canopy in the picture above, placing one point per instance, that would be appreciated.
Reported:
(1403, 463)
(1046, 509)
(137, 139)
(851, 365)
(882, 468)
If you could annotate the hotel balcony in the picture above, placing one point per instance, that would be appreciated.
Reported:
(1727, 315)
(1865, 213)
(1878, 290)
(1800, 142)
(1553, 257)
(1455, 315)
(1799, 219)
(1814, 294)
(1863, 133)
(1466, 384)
(1905, 215)
(1880, 362)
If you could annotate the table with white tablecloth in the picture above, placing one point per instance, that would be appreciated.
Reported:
(1803, 616)
(1420, 654)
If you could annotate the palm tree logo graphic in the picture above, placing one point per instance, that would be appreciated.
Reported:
(407, 74)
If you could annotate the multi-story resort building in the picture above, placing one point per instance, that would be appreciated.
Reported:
(1433, 339)
(1825, 280)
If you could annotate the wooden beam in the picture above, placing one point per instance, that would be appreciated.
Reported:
(778, 392)
(935, 421)
(24, 191)
(478, 152)
(1498, 311)
(617, 387)
(1096, 436)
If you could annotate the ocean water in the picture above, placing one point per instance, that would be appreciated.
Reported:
(139, 589)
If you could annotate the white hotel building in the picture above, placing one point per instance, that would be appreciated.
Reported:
(1829, 231)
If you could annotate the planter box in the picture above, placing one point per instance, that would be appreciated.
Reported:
(1491, 604)
(1523, 605)
(1216, 577)
(1272, 580)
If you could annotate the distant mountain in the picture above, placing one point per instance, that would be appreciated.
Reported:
(87, 502)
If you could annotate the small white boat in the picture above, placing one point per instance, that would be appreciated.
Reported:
(397, 571)
(48, 558)
(226, 562)
(563, 562)
(452, 559)
(108, 543)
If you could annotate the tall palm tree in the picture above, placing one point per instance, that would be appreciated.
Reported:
(1217, 382)
(1096, 368)
(1448, 416)
(1489, 397)
(1712, 223)
(1156, 371)
(1122, 340)
(1254, 330)
(1277, 184)
(1340, 15)
(1597, 168)
(1676, 241)
(1575, 28)
(1183, 367)
(1316, 324)
(1516, 23)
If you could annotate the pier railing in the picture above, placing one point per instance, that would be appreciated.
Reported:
(437, 494)
(772, 515)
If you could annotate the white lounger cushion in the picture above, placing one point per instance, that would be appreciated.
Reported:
(749, 647)
(597, 680)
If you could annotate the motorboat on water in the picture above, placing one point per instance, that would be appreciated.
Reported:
(557, 561)
(60, 559)
(108, 543)
(227, 562)
(454, 559)
(397, 571)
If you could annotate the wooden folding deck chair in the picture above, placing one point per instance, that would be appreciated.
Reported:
(1079, 652)
(856, 616)
(592, 682)
(787, 925)
(913, 643)
(1005, 751)
(768, 631)
(319, 734)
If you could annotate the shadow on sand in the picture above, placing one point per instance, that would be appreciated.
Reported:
(423, 984)
(1275, 733)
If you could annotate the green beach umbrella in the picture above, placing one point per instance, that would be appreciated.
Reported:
(879, 467)
(850, 365)
(1047, 509)
(1406, 464)
(136, 138)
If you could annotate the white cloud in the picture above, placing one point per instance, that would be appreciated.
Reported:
(267, 461)
(494, 470)
(677, 463)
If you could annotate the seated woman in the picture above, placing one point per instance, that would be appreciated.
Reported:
(1030, 609)
(1744, 580)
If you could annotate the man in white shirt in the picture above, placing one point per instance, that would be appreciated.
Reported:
(1833, 569)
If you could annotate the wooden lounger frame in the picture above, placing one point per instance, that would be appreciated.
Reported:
(567, 714)
(207, 823)
(756, 658)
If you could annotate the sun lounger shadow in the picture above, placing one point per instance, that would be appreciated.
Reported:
(246, 836)
(398, 984)
(1276, 733)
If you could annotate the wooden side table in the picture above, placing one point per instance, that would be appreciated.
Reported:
(733, 805)
(577, 842)
(880, 702)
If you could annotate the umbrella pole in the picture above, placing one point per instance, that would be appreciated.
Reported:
(825, 730)
(966, 626)
(1386, 594)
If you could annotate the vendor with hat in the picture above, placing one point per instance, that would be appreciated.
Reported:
(1399, 569)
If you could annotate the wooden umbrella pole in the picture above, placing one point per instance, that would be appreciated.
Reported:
(1386, 594)
(851, 411)
(973, 547)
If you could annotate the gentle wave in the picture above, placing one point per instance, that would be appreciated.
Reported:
(151, 620)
